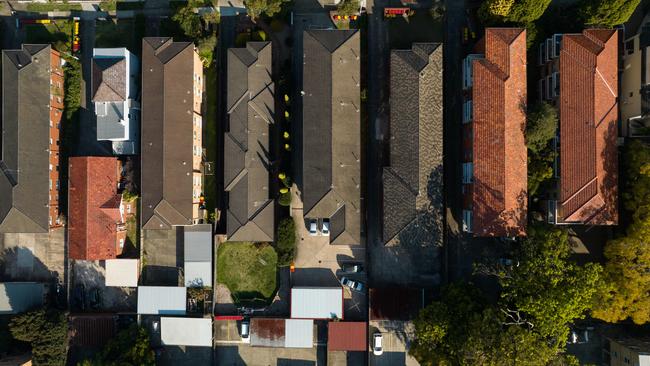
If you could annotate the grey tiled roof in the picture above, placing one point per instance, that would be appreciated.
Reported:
(331, 132)
(24, 180)
(413, 185)
(166, 140)
(109, 78)
(250, 215)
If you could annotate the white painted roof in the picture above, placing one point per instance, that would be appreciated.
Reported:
(299, 333)
(198, 274)
(186, 331)
(317, 302)
(162, 300)
(122, 272)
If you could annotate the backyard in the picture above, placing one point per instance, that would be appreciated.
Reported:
(249, 272)
(57, 32)
(420, 27)
(121, 33)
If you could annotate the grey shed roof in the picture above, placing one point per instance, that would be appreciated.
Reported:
(109, 115)
(24, 158)
(331, 132)
(251, 214)
(166, 119)
(109, 78)
(162, 300)
(197, 248)
(413, 184)
(18, 297)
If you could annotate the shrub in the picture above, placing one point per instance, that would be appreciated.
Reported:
(607, 13)
(46, 331)
(285, 244)
(285, 199)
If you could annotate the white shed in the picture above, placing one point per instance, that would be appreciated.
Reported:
(186, 331)
(317, 302)
(122, 272)
(162, 300)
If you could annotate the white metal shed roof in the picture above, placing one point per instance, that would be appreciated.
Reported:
(186, 331)
(122, 272)
(162, 300)
(299, 333)
(197, 243)
(317, 302)
(198, 274)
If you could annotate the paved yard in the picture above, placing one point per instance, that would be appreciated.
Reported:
(33, 257)
(397, 336)
(92, 274)
(162, 254)
(243, 354)
(175, 355)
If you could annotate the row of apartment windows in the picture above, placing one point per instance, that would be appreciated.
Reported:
(197, 150)
(57, 184)
(467, 221)
(57, 220)
(468, 111)
(549, 87)
(197, 121)
(550, 49)
(468, 173)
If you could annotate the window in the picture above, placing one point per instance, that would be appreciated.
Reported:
(50, 167)
(50, 183)
(468, 111)
(549, 49)
(552, 207)
(556, 84)
(467, 221)
(541, 54)
(121, 243)
(549, 87)
(557, 45)
(468, 172)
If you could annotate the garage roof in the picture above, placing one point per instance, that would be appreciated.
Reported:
(186, 331)
(162, 300)
(122, 272)
(317, 302)
(347, 336)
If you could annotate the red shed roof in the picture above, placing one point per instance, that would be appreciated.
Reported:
(347, 336)
(93, 212)
(499, 198)
(588, 106)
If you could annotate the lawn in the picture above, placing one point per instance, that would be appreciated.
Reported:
(43, 7)
(249, 271)
(58, 33)
(419, 28)
(122, 33)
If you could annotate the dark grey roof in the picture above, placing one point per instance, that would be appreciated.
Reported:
(331, 131)
(166, 139)
(413, 185)
(24, 159)
(250, 108)
(109, 78)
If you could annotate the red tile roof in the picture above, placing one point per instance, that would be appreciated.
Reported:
(347, 336)
(93, 212)
(499, 196)
(588, 127)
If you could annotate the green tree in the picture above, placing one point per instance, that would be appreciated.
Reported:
(540, 170)
(131, 346)
(627, 266)
(494, 11)
(527, 11)
(188, 21)
(547, 286)
(256, 8)
(285, 244)
(541, 125)
(348, 7)
(46, 331)
(607, 13)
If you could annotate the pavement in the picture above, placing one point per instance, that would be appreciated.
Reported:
(33, 257)
(162, 257)
(92, 274)
(397, 337)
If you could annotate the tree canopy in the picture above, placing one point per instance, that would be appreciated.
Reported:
(627, 266)
(46, 331)
(285, 244)
(607, 13)
(520, 12)
(131, 346)
(188, 21)
(541, 125)
(256, 8)
(348, 7)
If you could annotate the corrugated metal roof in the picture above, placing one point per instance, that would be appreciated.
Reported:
(347, 336)
(198, 274)
(267, 332)
(186, 331)
(122, 272)
(17, 297)
(317, 302)
(299, 333)
(92, 330)
(162, 300)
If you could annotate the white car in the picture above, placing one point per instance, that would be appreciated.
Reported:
(325, 227)
(313, 227)
(245, 331)
(376, 344)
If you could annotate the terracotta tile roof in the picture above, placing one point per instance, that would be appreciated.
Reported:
(93, 212)
(499, 148)
(347, 336)
(588, 106)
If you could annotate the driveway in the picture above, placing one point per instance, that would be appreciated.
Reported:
(397, 337)
(92, 274)
(162, 252)
(33, 257)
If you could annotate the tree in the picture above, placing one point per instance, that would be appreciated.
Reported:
(256, 8)
(131, 346)
(607, 13)
(188, 21)
(547, 286)
(348, 7)
(46, 331)
(527, 11)
(540, 170)
(285, 244)
(627, 266)
(494, 11)
(541, 126)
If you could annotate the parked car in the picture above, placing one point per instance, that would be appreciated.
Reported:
(325, 227)
(245, 331)
(352, 284)
(352, 267)
(377, 339)
(313, 227)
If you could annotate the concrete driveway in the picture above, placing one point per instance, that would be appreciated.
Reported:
(33, 257)
(397, 337)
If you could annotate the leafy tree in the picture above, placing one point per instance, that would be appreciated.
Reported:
(627, 269)
(72, 86)
(206, 49)
(46, 331)
(541, 125)
(607, 13)
(256, 8)
(348, 7)
(131, 346)
(540, 170)
(527, 11)
(285, 244)
(492, 11)
(547, 286)
(188, 21)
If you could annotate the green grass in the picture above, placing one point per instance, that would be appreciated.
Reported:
(248, 270)
(43, 7)
(419, 28)
(210, 135)
(123, 33)
(58, 33)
